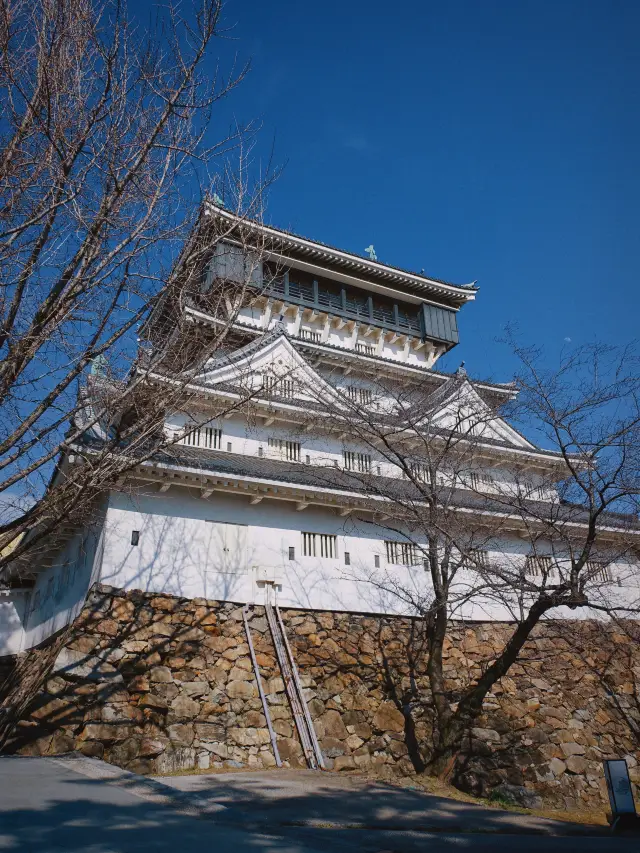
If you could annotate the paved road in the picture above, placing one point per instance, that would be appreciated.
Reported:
(83, 806)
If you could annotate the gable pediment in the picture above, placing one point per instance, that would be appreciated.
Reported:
(462, 409)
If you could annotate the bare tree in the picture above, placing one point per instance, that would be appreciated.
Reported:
(106, 159)
(486, 524)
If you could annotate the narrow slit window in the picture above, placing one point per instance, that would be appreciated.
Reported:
(292, 552)
(347, 558)
(135, 537)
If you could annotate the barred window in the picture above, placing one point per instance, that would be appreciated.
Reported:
(357, 461)
(599, 571)
(289, 450)
(419, 471)
(310, 335)
(402, 553)
(536, 565)
(208, 437)
(360, 395)
(365, 349)
(478, 558)
(319, 545)
(279, 386)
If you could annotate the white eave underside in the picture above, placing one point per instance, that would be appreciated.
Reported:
(336, 353)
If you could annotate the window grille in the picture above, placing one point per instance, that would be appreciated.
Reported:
(478, 558)
(208, 437)
(474, 479)
(419, 471)
(289, 450)
(279, 386)
(360, 395)
(536, 565)
(599, 572)
(319, 545)
(365, 349)
(402, 553)
(357, 461)
(310, 335)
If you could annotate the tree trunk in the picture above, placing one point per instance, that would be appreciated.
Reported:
(24, 682)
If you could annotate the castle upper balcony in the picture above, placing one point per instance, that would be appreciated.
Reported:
(328, 296)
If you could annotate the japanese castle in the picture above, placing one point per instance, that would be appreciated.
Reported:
(248, 501)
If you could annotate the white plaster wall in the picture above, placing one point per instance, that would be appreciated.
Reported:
(60, 590)
(12, 610)
(179, 552)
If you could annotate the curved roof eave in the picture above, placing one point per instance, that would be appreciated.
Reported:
(347, 260)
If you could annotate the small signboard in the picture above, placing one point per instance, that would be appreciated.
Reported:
(619, 786)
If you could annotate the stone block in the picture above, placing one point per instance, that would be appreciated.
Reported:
(209, 731)
(182, 758)
(150, 747)
(333, 725)
(344, 762)
(195, 688)
(162, 674)
(388, 718)
(249, 737)
(569, 748)
(557, 767)
(241, 690)
(576, 764)
(184, 708)
(75, 665)
(154, 702)
(181, 734)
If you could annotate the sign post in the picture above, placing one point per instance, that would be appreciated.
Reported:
(623, 808)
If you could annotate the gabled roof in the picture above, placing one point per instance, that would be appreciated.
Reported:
(442, 407)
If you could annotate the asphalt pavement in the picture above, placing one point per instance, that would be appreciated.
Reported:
(51, 805)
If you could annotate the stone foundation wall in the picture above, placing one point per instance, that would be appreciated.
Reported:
(155, 684)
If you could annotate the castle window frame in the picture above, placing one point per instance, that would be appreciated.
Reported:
(323, 545)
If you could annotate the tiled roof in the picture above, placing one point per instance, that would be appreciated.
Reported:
(369, 486)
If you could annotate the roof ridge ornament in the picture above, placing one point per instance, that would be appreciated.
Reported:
(371, 252)
(461, 372)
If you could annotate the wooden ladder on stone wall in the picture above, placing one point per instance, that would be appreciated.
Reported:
(293, 688)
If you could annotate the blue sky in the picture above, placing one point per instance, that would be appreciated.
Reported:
(481, 140)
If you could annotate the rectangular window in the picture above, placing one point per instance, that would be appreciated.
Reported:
(419, 471)
(228, 447)
(307, 459)
(292, 553)
(260, 451)
(280, 387)
(347, 558)
(135, 537)
(360, 395)
(209, 437)
(285, 449)
(310, 335)
(536, 565)
(478, 558)
(319, 545)
(376, 561)
(402, 553)
(357, 461)
(599, 571)
(365, 349)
